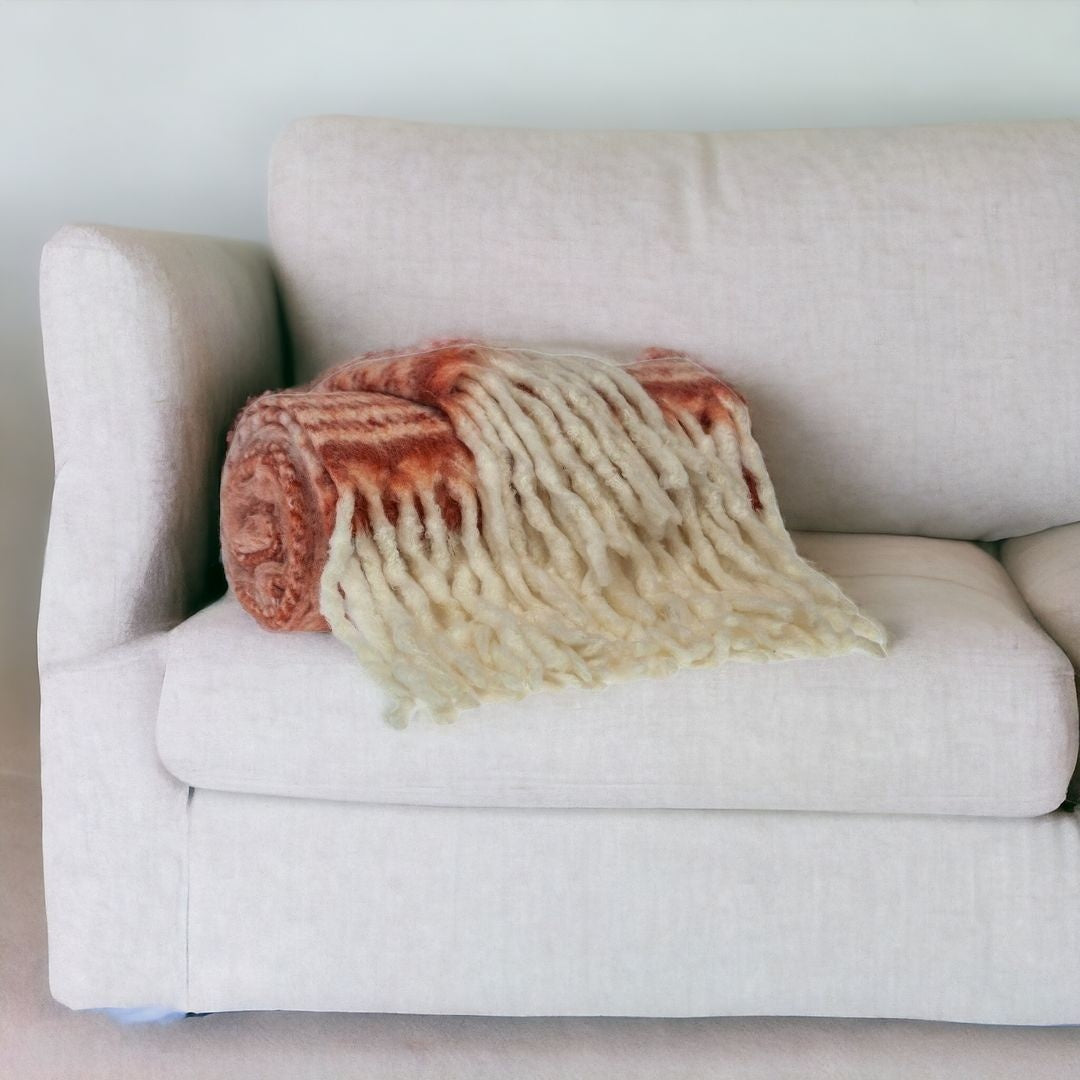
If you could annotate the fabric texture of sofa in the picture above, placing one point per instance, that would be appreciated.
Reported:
(228, 823)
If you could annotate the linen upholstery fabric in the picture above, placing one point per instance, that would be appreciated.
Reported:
(631, 912)
(898, 304)
(972, 712)
(1046, 569)
(152, 341)
(45, 1041)
(114, 834)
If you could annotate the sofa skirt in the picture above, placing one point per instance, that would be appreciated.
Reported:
(319, 905)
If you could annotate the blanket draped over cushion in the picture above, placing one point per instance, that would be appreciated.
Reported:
(478, 522)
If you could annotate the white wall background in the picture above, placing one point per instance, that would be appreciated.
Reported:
(161, 114)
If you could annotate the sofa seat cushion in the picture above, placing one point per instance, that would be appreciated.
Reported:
(972, 712)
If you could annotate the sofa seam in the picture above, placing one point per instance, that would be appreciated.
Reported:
(187, 897)
(296, 791)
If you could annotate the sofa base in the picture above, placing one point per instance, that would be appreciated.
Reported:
(319, 905)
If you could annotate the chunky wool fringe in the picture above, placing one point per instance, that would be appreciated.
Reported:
(602, 541)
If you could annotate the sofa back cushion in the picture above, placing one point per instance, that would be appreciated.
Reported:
(901, 306)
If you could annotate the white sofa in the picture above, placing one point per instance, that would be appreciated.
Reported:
(229, 825)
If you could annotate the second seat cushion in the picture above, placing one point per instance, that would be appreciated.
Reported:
(972, 712)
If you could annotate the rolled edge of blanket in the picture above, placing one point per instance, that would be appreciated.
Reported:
(277, 514)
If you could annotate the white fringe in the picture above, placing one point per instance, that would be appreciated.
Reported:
(612, 547)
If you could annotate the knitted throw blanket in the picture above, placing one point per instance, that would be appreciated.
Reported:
(479, 522)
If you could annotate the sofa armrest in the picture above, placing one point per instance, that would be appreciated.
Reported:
(152, 342)
(1045, 567)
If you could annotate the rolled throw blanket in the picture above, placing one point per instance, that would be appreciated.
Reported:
(478, 522)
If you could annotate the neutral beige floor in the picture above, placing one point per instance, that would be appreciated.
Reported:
(40, 1040)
